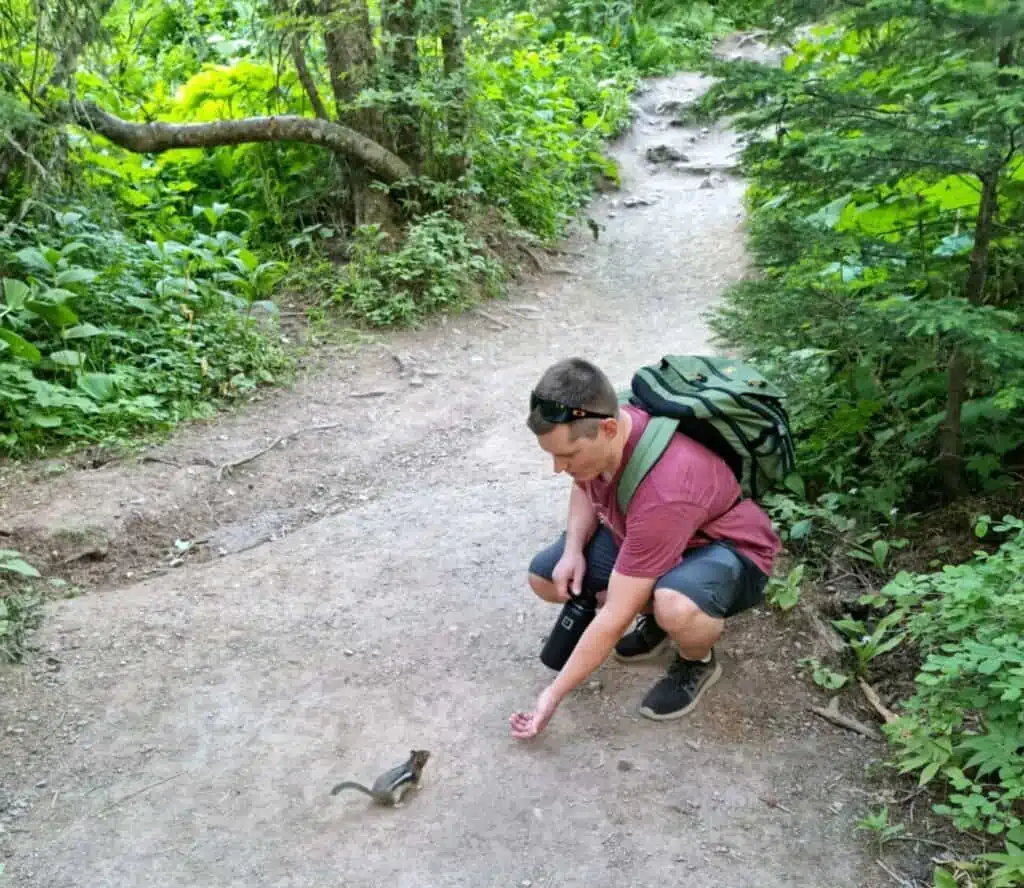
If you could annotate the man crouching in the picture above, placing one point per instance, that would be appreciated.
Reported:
(689, 553)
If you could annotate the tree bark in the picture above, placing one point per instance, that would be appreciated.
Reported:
(950, 445)
(399, 24)
(154, 138)
(351, 60)
(305, 78)
(454, 62)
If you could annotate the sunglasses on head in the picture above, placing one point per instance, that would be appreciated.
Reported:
(557, 412)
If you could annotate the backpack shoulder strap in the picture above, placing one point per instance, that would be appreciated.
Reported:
(648, 451)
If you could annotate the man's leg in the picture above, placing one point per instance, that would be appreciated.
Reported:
(600, 553)
(691, 604)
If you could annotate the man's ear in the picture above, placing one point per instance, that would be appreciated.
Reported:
(610, 428)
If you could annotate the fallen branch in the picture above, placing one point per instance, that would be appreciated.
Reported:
(228, 467)
(832, 714)
(899, 880)
(931, 842)
(132, 795)
(494, 320)
(872, 695)
(157, 137)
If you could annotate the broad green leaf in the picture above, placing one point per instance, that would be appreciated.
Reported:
(19, 566)
(928, 773)
(954, 245)
(15, 293)
(67, 358)
(20, 347)
(76, 275)
(82, 331)
(101, 386)
(34, 258)
(45, 421)
(55, 314)
(57, 295)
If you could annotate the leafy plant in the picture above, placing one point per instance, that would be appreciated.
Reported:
(785, 594)
(867, 645)
(965, 720)
(436, 267)
(540, 111)
(878, 823)
(889, 298)
(823, 676)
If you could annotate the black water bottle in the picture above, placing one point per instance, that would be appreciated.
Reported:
(568, 629)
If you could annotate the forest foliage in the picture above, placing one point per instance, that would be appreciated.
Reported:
(885, 166)
(339, 150)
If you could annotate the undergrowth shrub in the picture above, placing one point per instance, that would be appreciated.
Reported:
(437, 266)
(100, 333)
(965, 720)
(540, 112)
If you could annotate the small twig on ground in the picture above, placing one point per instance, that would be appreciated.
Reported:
(373, 393)
(228, 467)
(911, 795)
(132, 795)
(832, 714)
(494, 320)
(159, 459)
(898, 879)
(931, 842)
(773, 803)
(887, 714)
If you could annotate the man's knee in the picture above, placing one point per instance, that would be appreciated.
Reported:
(545, 589)
(677, 614)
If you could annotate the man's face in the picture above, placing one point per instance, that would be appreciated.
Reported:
(582, 459)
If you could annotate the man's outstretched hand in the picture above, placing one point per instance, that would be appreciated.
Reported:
(529, 724)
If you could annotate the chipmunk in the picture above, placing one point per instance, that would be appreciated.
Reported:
(392, 785)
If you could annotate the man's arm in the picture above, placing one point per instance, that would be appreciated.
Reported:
(582, 520)
(626, 598)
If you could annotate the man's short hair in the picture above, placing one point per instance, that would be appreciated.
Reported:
(577, 383)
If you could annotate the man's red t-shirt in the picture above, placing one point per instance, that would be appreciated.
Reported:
(684, 502)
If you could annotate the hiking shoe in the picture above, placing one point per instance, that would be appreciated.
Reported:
(644, 642)
(678, 692)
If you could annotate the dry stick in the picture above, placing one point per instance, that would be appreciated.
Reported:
(931, 842)
(899, 880)
(228, 467)
(491, 318)
(831, 713)
(887, 714)
(140, 791)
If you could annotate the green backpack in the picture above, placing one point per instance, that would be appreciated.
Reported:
(726, 405)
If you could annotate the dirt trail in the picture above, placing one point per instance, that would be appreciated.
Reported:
(361, 591)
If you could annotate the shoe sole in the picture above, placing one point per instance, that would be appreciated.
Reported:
(669, 716)
(650, 655)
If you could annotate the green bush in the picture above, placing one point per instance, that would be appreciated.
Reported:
(965, 720)
(100, 334)
(438, 266)
(540, 112)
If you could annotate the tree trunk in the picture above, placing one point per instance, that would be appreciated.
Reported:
(454, 62)
(154, 138)
(950, 458)
(399, 24)
(351, 60)
(305, 78)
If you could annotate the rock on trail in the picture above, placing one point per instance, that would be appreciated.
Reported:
(364, 594)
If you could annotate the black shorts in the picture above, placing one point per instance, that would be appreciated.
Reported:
(716, 578)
